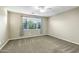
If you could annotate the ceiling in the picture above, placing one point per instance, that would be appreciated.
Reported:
(32, 11)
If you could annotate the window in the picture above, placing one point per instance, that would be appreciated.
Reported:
(31, 23)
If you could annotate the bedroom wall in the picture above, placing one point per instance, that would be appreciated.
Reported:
(3, 26)
(65, 26)
(15, 25)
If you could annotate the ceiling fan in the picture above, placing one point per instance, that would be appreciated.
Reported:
(42, 8)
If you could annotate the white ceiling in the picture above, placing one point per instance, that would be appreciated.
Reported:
(32, 11)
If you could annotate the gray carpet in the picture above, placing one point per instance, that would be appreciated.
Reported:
(41, 44)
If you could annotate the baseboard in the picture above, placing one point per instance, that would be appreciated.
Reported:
(26, 37)
(4, 44)
(63, 39)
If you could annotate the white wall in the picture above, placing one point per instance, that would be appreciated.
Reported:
(65, 26)
(3, 26)
(15, 25)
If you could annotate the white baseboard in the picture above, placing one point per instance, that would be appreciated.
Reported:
(25, 37)
(4, 44)
(64, 39)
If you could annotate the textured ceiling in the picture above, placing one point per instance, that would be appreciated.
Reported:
(32, 11)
